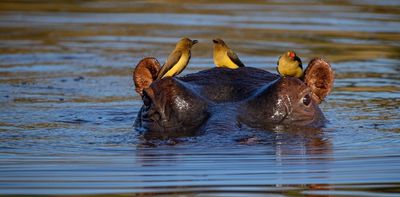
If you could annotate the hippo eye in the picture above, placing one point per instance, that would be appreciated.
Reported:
(307, 100)
(146, 99)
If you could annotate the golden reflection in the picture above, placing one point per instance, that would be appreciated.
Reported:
(369, 89)
(75, 99)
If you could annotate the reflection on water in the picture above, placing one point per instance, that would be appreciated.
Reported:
(67, 104)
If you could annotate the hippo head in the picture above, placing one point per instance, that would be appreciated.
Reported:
(170, 107)
(286, 101)
(289, 100)
(181, 106)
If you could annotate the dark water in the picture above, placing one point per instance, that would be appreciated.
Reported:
(68, 106)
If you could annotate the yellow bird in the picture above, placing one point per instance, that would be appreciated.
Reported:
(289, 64)
(224, 56)
(178, 59)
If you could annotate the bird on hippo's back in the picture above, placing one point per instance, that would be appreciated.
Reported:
(289, 64)
(224, 56)
(178, 59)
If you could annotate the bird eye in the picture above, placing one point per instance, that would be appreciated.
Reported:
(307, 100)
(146, 99)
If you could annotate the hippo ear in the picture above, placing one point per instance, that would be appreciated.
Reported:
(145, 73)
(319, 76)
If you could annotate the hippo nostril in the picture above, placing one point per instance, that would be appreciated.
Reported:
(151, 114)
(155, 116)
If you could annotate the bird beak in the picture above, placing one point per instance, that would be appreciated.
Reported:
(292, 55)
(194, 42)
(215, 42)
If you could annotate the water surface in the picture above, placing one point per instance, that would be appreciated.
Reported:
(67, 103)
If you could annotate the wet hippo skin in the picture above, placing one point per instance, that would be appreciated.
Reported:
(226, 99)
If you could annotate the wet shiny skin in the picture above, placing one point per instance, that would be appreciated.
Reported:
(67, 103)
(171, 102)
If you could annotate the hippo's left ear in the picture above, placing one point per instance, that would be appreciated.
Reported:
(319, 76)
(145, 73)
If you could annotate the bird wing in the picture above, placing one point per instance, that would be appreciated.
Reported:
(277, 70)
(296, 58)
(173, 58)
(235, 59)
(277, 65)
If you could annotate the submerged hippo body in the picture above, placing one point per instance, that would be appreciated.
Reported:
(221, 98)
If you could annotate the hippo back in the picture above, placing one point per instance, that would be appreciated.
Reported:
(229, 85)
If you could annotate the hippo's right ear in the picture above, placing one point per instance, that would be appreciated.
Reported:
(145, 73)
(319, 76)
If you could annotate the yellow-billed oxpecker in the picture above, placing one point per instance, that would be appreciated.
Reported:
(178, 59)
(224, 56)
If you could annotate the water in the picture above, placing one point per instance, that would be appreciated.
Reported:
(68, 105)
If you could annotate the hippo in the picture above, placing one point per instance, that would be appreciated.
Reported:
(228, 99)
